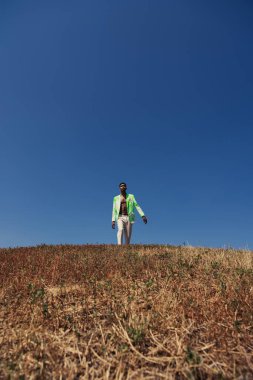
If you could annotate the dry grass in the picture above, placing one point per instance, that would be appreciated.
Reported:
(137, 312)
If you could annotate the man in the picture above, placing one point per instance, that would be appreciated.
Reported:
(123, 213)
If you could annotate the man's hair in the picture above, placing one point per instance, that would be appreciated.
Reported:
(122, 183)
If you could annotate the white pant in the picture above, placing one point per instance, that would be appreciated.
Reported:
(126, 226)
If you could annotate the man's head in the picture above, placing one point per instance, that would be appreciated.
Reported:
(122, 186)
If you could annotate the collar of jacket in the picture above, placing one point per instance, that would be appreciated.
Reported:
(127, 198)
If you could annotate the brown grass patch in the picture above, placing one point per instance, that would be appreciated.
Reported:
(136, 312)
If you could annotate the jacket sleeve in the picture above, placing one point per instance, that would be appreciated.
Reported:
(113, 210)
(138, 207)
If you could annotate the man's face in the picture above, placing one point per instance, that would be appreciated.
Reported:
(123, 187)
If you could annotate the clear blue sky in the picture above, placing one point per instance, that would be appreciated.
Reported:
(158, 94)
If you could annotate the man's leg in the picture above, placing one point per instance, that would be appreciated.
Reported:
(120, 230)
(128, 231)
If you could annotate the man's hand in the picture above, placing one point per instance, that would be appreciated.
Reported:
(144, 219)
(113, 225)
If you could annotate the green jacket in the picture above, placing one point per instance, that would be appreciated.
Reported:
(131, 204)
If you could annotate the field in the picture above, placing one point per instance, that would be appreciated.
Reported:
(129, 312)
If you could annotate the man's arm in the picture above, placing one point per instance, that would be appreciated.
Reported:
(113, 213)
(140, 211)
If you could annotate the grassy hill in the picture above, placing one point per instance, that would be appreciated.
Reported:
(136, 312)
